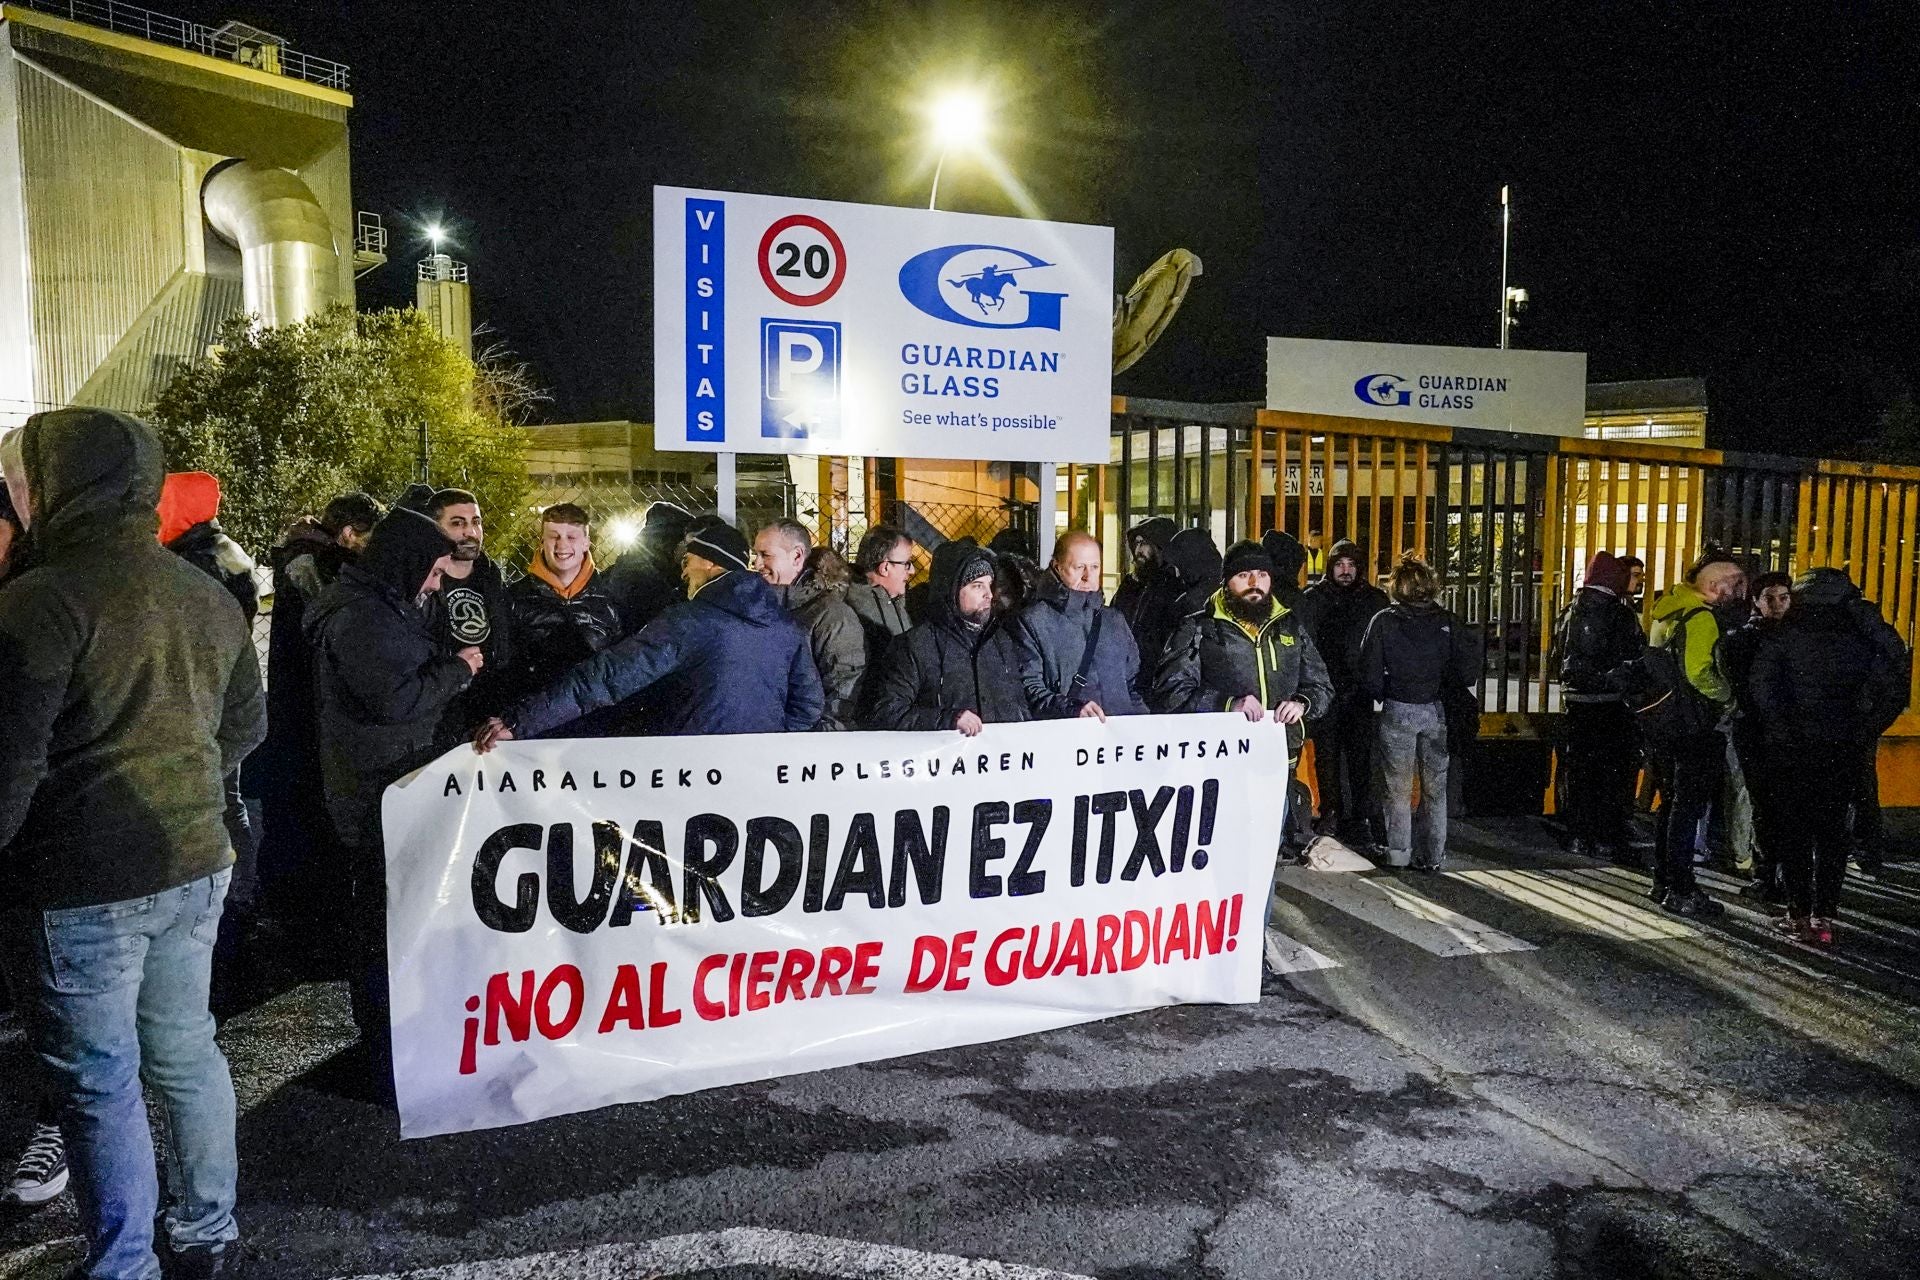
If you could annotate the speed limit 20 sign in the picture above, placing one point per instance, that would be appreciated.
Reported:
(804, 326)
(802, 261)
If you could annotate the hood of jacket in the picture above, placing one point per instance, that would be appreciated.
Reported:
(954, 565)
(747, 596)
(401, 551)
(1288, 556)
(187, 498)
(1156, 532)
(1347, 550)
(1193, 558)
(92, 474)
(1823, 588)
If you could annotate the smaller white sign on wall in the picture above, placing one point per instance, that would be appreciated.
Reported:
(1541, 392)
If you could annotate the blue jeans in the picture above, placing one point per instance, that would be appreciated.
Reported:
(123, 998)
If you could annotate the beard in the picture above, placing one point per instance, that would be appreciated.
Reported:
(1251, 607)
(467, 549)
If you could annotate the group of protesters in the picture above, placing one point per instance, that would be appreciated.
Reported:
(1791, 684)
(134, 699)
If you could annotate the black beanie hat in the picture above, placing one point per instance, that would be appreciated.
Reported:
(1244, 556)
(402, 548)
(716, 540)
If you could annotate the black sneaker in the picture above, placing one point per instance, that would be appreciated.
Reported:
(42, 1172)
(200, 1262)
(1693, 902)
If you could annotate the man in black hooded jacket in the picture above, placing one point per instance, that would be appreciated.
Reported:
(1145, 542)
(382, 683)
(960, 668)
(645, 580)
(1289, 558)
(131, 690)
(1336, 611)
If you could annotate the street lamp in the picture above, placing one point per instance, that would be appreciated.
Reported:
(435, 233)
(959, 118)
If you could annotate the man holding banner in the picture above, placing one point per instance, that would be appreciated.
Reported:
(726, 660)
(960, 668)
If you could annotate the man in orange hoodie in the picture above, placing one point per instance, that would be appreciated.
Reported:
(563, 612)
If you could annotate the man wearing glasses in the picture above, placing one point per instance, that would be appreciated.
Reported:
(882, 565)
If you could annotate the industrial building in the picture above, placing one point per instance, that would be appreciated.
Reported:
(156, 177)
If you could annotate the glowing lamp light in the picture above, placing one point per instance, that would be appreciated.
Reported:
(959, 119)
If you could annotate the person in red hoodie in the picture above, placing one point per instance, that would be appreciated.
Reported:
(190, 528)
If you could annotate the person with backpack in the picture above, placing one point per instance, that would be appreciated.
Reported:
(1820, 684)
(1413, 655)
(1594, 635)
(1683, 698)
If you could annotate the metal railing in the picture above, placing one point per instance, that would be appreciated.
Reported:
(215, 42)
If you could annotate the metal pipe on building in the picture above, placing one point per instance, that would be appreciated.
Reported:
(290, 266)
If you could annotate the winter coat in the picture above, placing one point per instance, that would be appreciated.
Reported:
(1814, 674)
(1053, 630)
(645, 581)
(882, 619)
(838, 643)
(305, 564)
(729, 660)
(207, 548)
(1212, 662)
(477, 610)
(554, 631)
(1596, 634)
(945, 665)
(1336, 617)
(1685, 608)
(128, 678)
(1134, 593)
(1417, 653)
(1189, 574)
(382, 675)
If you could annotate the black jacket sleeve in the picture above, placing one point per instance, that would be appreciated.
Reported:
(243, 714)
(1178, 685)
(40, 641)
(908, 697)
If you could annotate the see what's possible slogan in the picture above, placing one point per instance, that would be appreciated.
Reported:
(575, 924)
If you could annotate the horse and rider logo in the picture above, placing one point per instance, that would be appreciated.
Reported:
(977, 285)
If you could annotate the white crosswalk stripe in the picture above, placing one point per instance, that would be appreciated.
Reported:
(1564, 895)
(1386, 904)
(1284, 955)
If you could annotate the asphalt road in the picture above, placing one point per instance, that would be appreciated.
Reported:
(1515, 1069)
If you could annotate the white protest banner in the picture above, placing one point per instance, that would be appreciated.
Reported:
(812, 326)
(573, 924)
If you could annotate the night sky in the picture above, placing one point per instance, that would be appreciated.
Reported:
(1724, 190)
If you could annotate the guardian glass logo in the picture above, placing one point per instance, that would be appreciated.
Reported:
(1382, 389)
(984, 286)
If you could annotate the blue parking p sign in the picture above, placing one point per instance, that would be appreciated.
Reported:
(799, 379)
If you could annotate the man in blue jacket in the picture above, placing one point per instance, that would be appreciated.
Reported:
(1077, 655)
(728, 659)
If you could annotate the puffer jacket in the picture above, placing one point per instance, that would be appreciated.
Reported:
(1212, 662)
(382, 677)
(1814, 673)
(556, 629)
(729, 660)
(1053, 630)
(1337, 617)
(837, 641)
(1597, 633)
(945, 665)
(128, 680)
(1417, 653)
